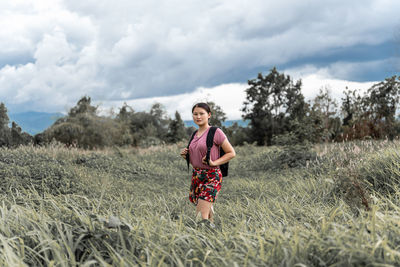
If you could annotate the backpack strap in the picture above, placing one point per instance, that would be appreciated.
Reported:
(210, 142)
(187, 155)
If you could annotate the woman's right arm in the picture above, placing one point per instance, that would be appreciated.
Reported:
(184, 152)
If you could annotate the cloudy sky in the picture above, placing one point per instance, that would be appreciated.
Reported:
(178, 52)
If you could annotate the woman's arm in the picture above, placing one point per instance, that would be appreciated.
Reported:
(229, 154)
(184, 152)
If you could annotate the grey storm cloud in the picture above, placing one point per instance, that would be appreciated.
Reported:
(54, 52)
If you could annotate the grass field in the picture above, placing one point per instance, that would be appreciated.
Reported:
(124, 207)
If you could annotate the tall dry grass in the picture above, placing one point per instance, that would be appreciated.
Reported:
(124, 207)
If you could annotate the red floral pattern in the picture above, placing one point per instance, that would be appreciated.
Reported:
(206, 183)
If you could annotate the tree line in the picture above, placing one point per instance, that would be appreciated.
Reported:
(279, 114)
(274, 107)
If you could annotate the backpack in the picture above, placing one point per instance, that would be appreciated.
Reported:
(210, 141)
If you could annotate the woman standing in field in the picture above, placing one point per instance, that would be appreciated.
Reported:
(206, 178)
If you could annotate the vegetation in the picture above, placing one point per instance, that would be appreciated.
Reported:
(279, 115)
(272, 103)
(67, 206)
(274, 106)
(11, 137)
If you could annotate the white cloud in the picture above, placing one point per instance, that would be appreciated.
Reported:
(52, 52)
(314, 78)
(314, 82)
(230, 97)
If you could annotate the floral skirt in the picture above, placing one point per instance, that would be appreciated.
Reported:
(206, 183)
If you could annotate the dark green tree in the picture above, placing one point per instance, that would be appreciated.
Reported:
(272, 101)
(5, 135)
(83, 107)
(125, 113)
(160, 120)
(218, 116)
(4, 120)
(123, 118)
(356, 122)
(237, 135)
(382, 101)
(176, 129)
(324, 109)
(84, 128)
(16, 134)
(11, 137)
(350, 104)
(147, 128)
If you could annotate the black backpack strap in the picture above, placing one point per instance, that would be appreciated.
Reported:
(187, 155)
(210, 142)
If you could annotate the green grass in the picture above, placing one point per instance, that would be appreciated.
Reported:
(56, 205)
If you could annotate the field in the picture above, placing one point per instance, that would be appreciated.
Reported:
(337, 205)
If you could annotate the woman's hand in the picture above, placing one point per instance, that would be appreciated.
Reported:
(184, 152)
(212, 164)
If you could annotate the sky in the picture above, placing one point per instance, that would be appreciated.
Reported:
(179, 52)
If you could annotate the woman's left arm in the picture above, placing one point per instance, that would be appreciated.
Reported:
(229, 154)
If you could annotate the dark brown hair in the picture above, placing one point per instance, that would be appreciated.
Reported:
(202, 105)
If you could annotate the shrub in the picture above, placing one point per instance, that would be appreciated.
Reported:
(275, 158)
(378, 173)
(351, 189)
(381, 173)
(295, 156)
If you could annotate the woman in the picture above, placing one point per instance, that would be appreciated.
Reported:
(206, 178)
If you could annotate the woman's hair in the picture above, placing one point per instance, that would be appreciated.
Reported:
(202, 105)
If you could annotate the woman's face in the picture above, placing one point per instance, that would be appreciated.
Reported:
(201, 116)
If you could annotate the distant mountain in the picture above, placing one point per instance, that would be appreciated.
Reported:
(227, 123)
(34, 122)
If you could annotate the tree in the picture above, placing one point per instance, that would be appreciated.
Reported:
(160, 120)
(176, 129)
(383, 100)
(373, 114)
(158, 112)
(325, 108)
(123, 118)
(218, 116)
(356, 122)
(272, 101)
(125, 113)
(11, 137)
(83, 127)
(144, 128)
(83, 107)
(4, 120)
(16, 135)
(350, 105)
(5, 135)
(237, 135)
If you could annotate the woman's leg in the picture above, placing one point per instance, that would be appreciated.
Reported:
(211, 215)
(204, 208)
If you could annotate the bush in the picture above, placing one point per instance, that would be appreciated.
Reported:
(378, 173)
(287, 139)
(295, 156)
(351, 189)
(275, 158)
(381, 173)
